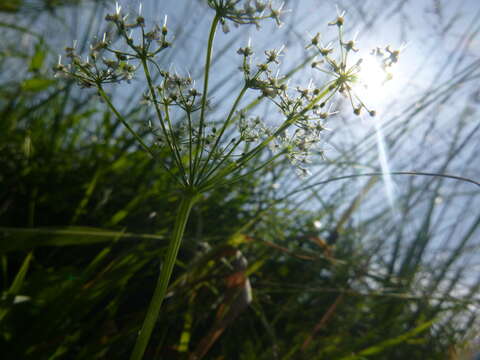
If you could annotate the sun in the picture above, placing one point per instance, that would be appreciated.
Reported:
(374, 80)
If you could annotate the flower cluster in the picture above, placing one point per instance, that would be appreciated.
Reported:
(387, 56)
(176, 90)
(203, 150)
(302, 107)
(344, 74)
(245, 12)
(97, 69)
(152, 42)
(252, 129)
(94, 69)
(305, 107)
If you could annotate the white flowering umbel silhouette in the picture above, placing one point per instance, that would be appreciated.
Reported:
(203, 155)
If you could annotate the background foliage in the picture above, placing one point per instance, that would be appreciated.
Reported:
(333, 272)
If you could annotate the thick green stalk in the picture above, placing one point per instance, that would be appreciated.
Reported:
(164, 277)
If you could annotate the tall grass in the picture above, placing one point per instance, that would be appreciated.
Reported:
(328, 272)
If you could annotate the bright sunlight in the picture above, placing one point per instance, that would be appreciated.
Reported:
(374, 80)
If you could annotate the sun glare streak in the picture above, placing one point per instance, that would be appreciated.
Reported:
(384, 164)
(373, 82)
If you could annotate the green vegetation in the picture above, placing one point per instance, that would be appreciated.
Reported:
(86, 218)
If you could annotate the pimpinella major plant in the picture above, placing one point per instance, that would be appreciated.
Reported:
(205, 154)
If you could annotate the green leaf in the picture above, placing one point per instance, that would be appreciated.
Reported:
(20, 277)
(14, 239)
(38, 58)
(17, 284)
(10, 5)
(36, 84)
(378, 348)
(27, 145)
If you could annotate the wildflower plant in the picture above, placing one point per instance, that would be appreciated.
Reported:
(204, 155)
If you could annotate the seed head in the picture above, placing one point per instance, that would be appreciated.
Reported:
(340, 20)
(350, 46)
(315, 41)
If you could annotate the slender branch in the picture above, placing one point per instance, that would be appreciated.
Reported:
(212, 185)
(175, 143)
(226, 157)
(409, 173)
(200, 140)
(123, 121)
(222, 131)
(170, 142)
(252, 153)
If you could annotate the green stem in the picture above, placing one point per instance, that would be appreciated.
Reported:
(124, 122)
(169, 138)
(217, 166)
(164, 277)
(222, 131)
(251, 172)
(129, 128)
(208, 60)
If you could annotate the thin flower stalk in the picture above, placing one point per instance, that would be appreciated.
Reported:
(201, 139)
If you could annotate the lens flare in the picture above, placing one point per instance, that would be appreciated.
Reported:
(375, 86)
(373, 80)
